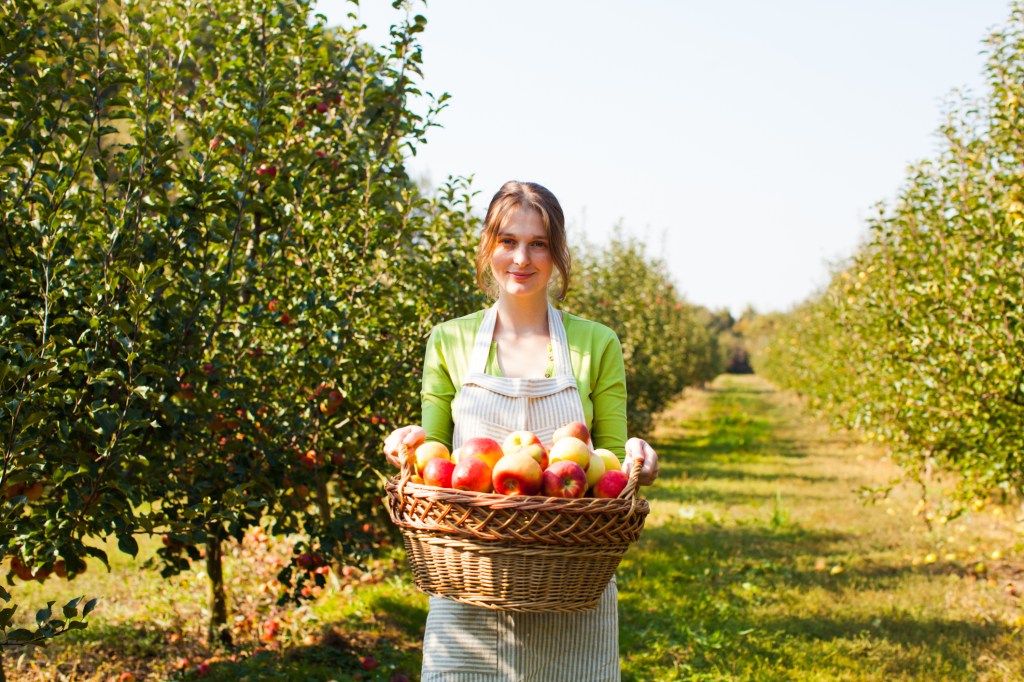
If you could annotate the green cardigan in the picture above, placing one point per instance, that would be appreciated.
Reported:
(595, 356)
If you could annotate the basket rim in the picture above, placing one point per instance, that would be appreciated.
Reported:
(469, 498)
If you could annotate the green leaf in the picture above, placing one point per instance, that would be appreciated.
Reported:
(43, 615)
(128, 544)
(70, 609)
(89, 606)
(21, 635)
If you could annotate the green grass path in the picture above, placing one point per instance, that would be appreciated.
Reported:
(760, 560)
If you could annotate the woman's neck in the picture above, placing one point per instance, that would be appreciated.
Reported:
(523, 317)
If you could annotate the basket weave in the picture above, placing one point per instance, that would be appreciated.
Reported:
(514, 553)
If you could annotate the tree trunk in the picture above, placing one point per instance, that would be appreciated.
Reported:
(323, 499)
(3, 678)
(217, 630)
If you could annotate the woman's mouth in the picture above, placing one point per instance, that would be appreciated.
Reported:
(521, 276)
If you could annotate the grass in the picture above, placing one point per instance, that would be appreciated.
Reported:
(760, 561)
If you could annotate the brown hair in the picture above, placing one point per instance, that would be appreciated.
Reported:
(513, 196)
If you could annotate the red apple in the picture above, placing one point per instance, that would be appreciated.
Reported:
(610, 484)
(269, 171)
(565, 478)
(472, 473)
(438, 472)
(573, 429)
(486, 449)
(517, 474)
(572, 449)
(428, 451)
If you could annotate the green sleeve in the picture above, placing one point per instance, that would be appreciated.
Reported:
(438, 391)
(608, 392)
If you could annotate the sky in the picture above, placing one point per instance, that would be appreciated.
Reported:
(745, 142)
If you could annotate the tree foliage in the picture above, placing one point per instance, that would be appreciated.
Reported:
(215, 275)
(918, 340)
(667, 343)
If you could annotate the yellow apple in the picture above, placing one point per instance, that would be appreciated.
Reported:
(572, 449)
(611, 462)
(595, 470)
(428, 451)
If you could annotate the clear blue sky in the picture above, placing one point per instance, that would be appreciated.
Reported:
(744, 141)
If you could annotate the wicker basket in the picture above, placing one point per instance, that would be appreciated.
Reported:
(514, 553)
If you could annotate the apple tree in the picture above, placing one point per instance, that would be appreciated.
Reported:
(217, 278)
(918, 341)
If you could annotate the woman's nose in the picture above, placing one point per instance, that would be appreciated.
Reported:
(522, 255)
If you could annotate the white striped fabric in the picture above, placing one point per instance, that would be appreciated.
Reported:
(470, 644)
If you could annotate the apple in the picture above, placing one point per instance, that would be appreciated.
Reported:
(427, 451)
(472, 473)
(438, 472)
(528, 443)
(611, 461)
(565, 478)
(595, 470)
(265, 169)
(311, 459)
(611, 484)
(517, 474)
(487, 450)
(573, 430)
(20, 569)
(539, 454)
(516, 440)
(572, 449)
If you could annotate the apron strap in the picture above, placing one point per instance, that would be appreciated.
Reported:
(482, 344)
(485, 337)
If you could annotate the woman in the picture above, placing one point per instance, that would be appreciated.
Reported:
(522, 365)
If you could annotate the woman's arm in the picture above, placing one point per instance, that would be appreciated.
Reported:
(608, 395)
(438, 392)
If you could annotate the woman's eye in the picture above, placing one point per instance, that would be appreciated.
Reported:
(508, 242)
(540, 245)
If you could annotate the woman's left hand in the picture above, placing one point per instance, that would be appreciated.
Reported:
(637, 447)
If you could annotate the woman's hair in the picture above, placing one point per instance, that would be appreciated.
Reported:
(511, 197)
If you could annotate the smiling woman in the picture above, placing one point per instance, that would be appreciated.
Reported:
(522, 364)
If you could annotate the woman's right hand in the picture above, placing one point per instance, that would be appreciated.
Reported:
(412, 436)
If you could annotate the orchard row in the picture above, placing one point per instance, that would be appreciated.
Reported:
(918, 341)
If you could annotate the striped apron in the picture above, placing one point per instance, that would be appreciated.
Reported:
(465, 643)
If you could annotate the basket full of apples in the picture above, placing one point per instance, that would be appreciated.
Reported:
(517, 525)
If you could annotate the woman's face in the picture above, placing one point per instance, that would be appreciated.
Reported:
(521, 262)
